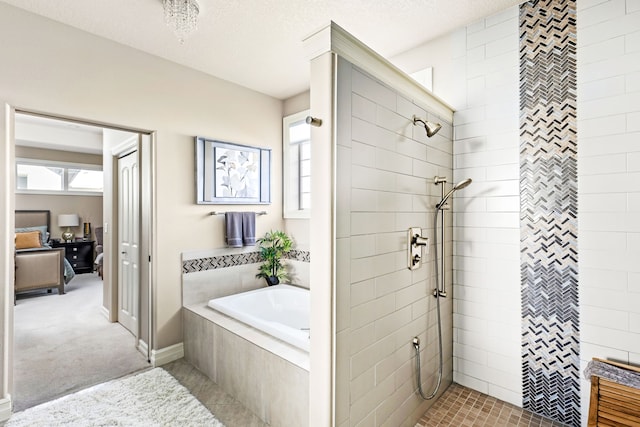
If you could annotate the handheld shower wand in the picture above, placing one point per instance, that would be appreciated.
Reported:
(458, 186)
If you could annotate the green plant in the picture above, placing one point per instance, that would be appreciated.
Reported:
(273, 246)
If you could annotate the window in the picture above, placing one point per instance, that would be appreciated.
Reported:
(49, 177)
(296, 144)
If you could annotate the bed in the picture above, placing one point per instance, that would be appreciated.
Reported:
(38, 266)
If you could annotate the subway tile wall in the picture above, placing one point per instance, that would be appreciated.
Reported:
(385, 170)
(486, 261)
(609, 181)
(487, 315)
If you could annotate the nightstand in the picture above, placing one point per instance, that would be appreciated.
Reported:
(79, 255)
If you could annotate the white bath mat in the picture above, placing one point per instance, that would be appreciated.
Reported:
(152, 398)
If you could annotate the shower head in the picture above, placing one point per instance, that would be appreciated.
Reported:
(431, 128)
(462, 184)
(458, 186)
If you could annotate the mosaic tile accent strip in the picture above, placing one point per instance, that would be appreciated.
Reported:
(232, 260)
(296, 255)
(548, 218)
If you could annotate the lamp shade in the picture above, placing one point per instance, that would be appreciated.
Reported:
(68, 220)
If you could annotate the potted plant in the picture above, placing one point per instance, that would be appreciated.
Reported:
(273, 246)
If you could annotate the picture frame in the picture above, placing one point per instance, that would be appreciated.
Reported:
(230, 173)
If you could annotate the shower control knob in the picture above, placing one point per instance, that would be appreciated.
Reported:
(419, 240)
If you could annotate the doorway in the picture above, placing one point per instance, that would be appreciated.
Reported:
(97, 367)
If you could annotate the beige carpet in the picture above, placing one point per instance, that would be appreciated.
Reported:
(63, 343)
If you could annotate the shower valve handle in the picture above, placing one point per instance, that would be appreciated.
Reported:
(419, 240)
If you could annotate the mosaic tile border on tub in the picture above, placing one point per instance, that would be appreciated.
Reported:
(233, 260)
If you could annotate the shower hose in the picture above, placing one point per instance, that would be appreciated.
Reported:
(416, 344)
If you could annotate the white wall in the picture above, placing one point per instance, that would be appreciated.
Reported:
(487, 313)
(609, 181)
(481, 83)
(53, 68)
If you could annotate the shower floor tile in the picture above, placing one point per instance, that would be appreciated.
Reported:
(462, 407)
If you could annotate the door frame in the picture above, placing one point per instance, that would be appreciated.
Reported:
(143, 143)
(7, 231)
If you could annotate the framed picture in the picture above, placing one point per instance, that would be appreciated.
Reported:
(228, 173)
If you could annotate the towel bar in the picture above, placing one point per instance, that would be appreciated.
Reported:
(222, 213)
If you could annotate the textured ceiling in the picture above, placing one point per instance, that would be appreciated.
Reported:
(258, 43)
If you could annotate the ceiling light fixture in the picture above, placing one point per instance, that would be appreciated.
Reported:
(181, 16)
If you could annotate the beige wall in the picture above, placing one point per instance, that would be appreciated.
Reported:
(298, 228)
(56, 69)
(89, 208)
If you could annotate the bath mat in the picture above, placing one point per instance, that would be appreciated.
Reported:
(151, 398)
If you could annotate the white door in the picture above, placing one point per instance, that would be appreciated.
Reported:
(128, 242)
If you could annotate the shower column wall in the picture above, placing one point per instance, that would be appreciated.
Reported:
(383, 184)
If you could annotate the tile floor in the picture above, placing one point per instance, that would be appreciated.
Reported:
(225, 408)
(462, 407)
(457, 407)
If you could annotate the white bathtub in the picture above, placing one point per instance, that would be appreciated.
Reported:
(281, 311)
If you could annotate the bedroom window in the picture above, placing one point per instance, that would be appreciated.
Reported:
(48, 177)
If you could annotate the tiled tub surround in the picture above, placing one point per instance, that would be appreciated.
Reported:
(269, 377)
(220, 272)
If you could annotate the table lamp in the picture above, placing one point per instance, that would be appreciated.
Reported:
(68, 220)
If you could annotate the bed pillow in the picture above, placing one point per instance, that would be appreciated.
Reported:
(44, 236)
(28, 240)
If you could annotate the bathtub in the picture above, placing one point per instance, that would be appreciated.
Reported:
(281, 311)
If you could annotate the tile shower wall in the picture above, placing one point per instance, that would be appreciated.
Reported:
(487, 315)
(609, 181)
(385, 170)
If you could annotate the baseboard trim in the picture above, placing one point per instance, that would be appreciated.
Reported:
(5, 408)
(143, 347)
(167, 354)
(104, 312)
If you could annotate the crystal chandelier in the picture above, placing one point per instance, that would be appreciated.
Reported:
(181, 16)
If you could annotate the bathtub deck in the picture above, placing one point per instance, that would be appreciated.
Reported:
(249, 365)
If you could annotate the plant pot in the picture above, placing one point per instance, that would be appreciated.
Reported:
(272, 280)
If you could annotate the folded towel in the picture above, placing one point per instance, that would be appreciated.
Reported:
(249, 228)
(233, 229)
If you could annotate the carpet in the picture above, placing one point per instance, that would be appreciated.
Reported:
(151, 398)
(64, 343)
